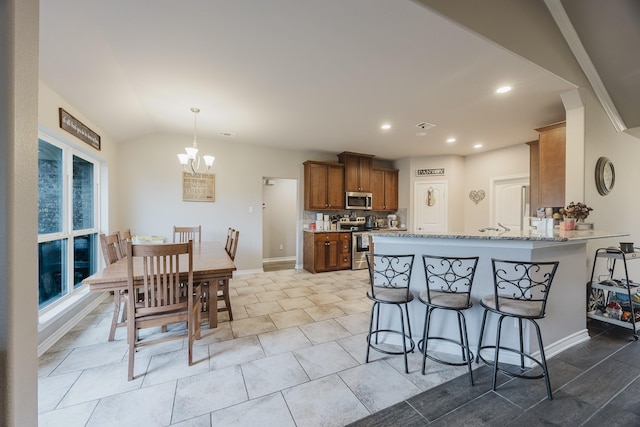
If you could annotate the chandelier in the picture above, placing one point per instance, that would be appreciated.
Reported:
(191, 160)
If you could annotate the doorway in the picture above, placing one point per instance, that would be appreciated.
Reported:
(431, 206)
(278, 223)
(509, 201)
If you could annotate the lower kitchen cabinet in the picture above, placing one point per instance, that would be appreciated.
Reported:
(326, 251)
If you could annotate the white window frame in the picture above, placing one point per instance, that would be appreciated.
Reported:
(68, 152)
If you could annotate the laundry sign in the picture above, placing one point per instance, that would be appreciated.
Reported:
(430, 172)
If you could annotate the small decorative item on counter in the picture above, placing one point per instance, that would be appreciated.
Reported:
(569, 224)
(579, 211)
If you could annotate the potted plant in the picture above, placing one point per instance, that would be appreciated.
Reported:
(575, 212)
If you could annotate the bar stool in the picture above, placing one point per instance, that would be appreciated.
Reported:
(448, 287)
(390, 277)
(521, 290)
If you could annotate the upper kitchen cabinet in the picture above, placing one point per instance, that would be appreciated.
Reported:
(358, 170)
(385, 190)
(323, 186)
(547, 167)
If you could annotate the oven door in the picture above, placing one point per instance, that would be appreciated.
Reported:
(359, 250)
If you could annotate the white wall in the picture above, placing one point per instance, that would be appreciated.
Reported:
(48, 104)
(18, 212)
(478, 171)
(454, 172)
(150, 195)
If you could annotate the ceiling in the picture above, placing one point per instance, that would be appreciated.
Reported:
(295, 74)
(604, 36)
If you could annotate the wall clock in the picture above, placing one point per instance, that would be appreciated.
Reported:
(605, 176)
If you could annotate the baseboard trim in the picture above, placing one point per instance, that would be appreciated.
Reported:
(505, 357)
(61, 331)
(279, 259)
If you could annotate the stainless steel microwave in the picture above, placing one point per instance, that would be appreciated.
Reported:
(360, 201)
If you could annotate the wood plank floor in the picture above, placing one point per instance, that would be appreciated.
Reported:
(595, 383)
(278, 265)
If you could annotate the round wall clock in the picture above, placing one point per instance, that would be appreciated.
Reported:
(605, 176)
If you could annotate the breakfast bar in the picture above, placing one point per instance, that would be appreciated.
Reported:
(565, 322)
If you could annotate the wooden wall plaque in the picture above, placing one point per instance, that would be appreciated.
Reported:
(200, 187)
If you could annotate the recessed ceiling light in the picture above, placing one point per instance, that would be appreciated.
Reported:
(477, 146)
(385, 126)
(503, 89)
(451, 140)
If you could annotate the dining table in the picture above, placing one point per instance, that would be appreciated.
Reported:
(211, 264)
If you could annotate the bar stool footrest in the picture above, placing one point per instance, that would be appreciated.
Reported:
(446, 362)
(408, 340)
(511, 373)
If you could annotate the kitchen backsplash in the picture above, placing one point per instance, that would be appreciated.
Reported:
(310, 216)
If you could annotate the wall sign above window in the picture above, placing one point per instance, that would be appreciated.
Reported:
(76, 128)
(430, 172)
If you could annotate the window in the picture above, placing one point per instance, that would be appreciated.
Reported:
(67, 219)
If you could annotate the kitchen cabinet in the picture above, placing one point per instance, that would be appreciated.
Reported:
(385, 190)
(358, 169)
(323, 186)
(547, 167)
(614, 287)
(326, 251)
(344, 262)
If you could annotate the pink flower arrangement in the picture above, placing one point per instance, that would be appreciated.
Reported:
(579, 211)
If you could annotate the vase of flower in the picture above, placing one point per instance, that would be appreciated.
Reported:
(574, 216)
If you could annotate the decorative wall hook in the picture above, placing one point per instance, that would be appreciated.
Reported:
(476, 196)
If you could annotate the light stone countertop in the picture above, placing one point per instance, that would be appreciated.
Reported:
(555, 235)
(378, 231)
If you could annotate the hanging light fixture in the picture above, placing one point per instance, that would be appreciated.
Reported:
(191, 160)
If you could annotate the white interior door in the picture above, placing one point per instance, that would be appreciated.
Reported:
(430, 206)
(510, 200)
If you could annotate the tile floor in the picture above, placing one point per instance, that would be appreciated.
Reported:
(292, 356)
(595, 383)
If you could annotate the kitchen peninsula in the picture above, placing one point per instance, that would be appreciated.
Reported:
(565, 323)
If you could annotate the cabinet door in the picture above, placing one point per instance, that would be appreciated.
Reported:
(326, 251)
(333, 255)
(391, 190)
(552, 167)
(316, 176)
(365, 171)
(320, 262)
(385, 190)
(351, 181)
(378, 201)
(345, 251)
(335, 187)
(357, 173)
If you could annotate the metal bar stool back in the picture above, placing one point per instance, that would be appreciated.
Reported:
(390, 278)
(448, 287)
(521, 290)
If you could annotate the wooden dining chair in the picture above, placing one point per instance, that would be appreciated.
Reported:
(223, 285)
(164, 302)
(110, 244)
(230, 233)
(184, 234)
(123, 238)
